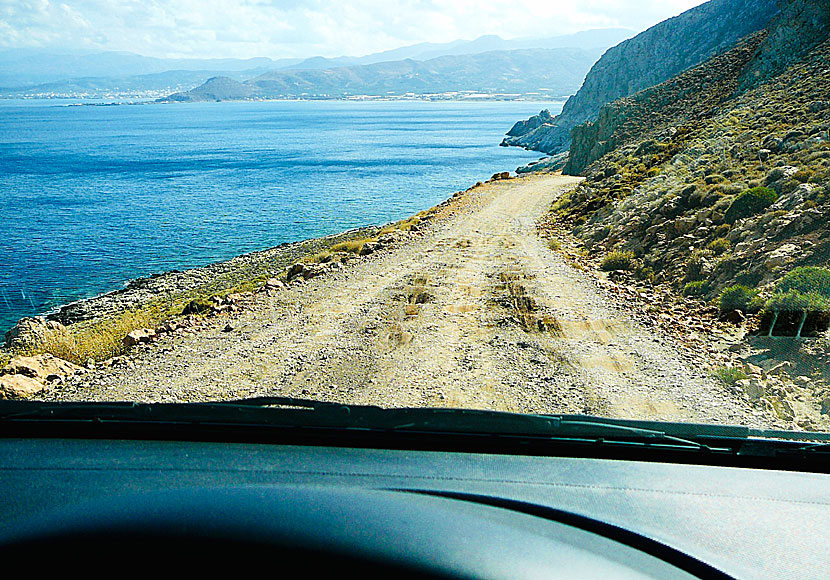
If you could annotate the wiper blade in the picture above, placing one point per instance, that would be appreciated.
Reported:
(296, 413)
(305, 413)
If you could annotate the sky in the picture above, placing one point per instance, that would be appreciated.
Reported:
(303, 28)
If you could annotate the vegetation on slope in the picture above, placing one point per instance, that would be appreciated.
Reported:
(719, 190)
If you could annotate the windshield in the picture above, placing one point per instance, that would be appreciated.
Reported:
(586, 211)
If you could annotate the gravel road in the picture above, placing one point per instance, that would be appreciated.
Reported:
(477, 312)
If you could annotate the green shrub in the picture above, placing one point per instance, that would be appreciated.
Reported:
(806, 280)
(618, 261)
(729, 376)
(795, 313)
(795, 301)
(719, 246)
(739, 297)
(699, 288)
(751, 202)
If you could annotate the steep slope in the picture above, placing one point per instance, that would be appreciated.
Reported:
(560, 71)
(692, 96)
(679, 157)
(649, 58)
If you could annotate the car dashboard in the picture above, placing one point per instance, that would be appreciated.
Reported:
(410, 513)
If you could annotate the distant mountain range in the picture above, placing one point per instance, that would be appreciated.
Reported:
(31, 72)
(588, 39)
(544, 72)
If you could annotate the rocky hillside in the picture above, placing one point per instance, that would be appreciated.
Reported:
(654, 56)
(215, 89)
(688, 98)
(716, 184)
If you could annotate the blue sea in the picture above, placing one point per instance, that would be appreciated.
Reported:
(93, 196)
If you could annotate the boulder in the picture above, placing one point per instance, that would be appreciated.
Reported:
(501, 175)
(752, 387)
(368, 248)
(142, 335)
(313, 270)
(40, 367)
(19, 387)
(295, 270)
(31, 332)
(733, 317)
(793, 199)
(782, 172)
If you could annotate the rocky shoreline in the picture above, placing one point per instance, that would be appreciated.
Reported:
(208, 279)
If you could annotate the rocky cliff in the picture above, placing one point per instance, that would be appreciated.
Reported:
(714, 191)
(692, 96)
(654, 56)
(680, 158)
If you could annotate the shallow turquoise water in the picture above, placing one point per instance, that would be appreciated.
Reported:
(93, 196)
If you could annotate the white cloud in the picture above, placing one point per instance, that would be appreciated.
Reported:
(278, 28)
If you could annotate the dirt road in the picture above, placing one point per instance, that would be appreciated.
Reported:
(477, 313)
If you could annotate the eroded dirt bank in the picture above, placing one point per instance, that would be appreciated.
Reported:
(477, 313)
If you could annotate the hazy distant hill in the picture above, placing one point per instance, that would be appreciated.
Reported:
(29, 67)
(35, 72)
(555, 72)
(587, 39)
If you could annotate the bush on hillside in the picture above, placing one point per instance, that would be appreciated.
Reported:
(729, 375)
(696, 289)
(806, 280)
(751, 202)
(795, 313)
(719, 246)
(739, 297)
(618, 261)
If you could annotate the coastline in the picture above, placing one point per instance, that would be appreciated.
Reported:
(245, 271)
(215, 277)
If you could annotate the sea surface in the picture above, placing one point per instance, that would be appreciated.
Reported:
(93, 196)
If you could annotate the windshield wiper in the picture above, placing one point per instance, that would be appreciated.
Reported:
(273, 414)
(304, 413)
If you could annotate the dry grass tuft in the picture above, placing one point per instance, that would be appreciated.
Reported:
(102, 340)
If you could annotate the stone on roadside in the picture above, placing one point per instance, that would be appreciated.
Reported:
(272, 284)
(753, 388)
(20, 387)
(369, 248)
(733, 317)
(142, 335)
(295, 270)
(314, 270)
(40, 367)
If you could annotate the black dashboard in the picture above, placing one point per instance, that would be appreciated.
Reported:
(431, 514)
